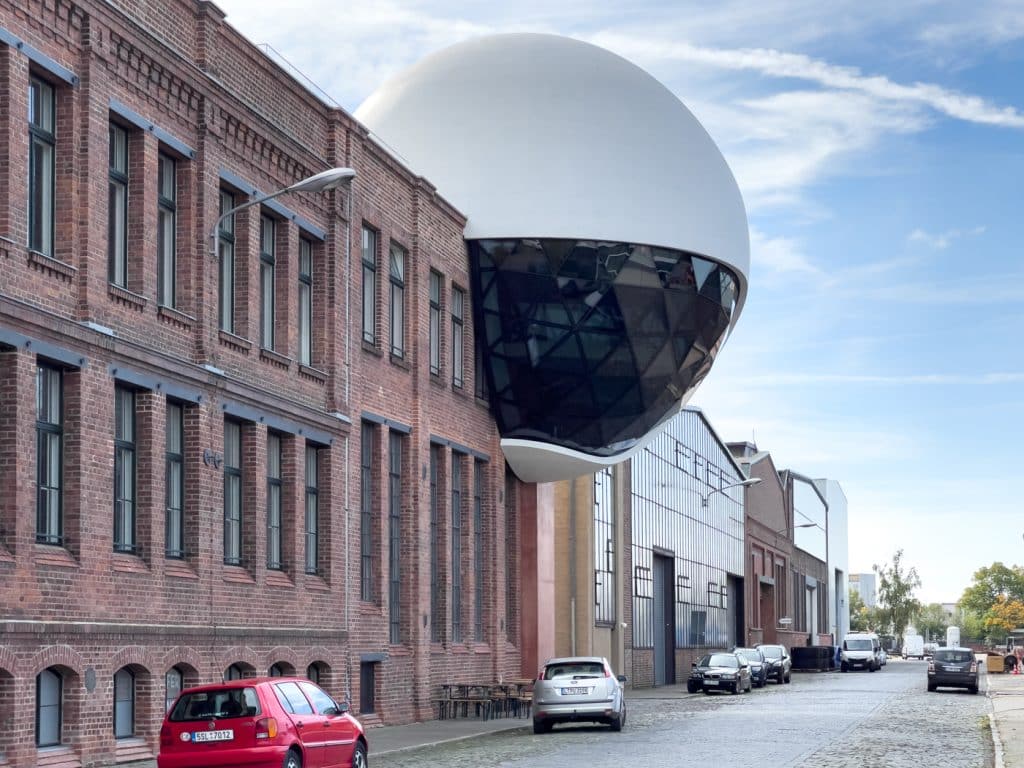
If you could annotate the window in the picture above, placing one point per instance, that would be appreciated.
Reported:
(166, 231)
(232, 493)
(174, 681)
(478, 551)
(117, 207)
(124, 470)
(396, 274)
(312, 510)
(49, 455)
(174, 491)
(456, 548)
(435, 323)
(305, 301)
(436, 555)
(369, 286)
(276, 670)
(49, 700)
(366, 513)
(395, 537)
(458, 301)
(124, 704)
(273, 501)
(226, 252)
(512, 564)
(234, 672)
(604, 549)
(268, 257)
(313, 673)
(42, 112)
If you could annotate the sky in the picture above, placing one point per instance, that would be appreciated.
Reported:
(879, 148)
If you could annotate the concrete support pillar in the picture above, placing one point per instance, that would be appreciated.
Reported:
(537, 575)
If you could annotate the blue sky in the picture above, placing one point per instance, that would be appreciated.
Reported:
(879, 147)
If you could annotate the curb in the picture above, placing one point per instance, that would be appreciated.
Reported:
(997, 742)
(453, 739)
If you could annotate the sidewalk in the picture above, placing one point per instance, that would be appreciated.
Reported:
(397, 738)
(1007, 695)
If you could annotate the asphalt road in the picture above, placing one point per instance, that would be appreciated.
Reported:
(884, 719)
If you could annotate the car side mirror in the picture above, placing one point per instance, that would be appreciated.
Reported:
(693, 664)
(341, 708)
(621, 678)
(331, 712)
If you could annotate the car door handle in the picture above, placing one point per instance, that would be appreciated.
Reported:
(300, 724)
(327, 725)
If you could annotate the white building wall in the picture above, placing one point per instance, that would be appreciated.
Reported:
(838, 557)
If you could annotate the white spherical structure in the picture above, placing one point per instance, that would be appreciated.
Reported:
(544, 139)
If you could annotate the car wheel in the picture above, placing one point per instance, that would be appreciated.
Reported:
(843, 667)
(359, 756)
(931, 687)
(691, 686)
(616, 723)
(973, 689)
(541, 726)
(788, 678)
(292, 760)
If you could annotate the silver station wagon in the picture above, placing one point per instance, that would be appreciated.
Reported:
(578, 689)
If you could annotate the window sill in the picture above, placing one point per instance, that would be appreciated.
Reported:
(5, 556)
(56, 557)
(237, 574)
(276, 359)
(51, 266)
(127, 298)
(279, 579)
(369, 609)
(237, 343)
(128, 563)
(400, 362)
(313, 373)
(316, 583)
(371, 348)
(171, 316)
(180, 569)
(398, 650)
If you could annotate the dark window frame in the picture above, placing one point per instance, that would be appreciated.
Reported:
(49, 527)
(174, 533)
(458, 337)
(436, 287)
(456, 547)
(275, 499)
(366, 488)
(167, 252)
(604, 547)
(398, 258)
(42, 224)
(126, 496)
(370, 258)
(133, 701)
(60, 708)
(436, 555)
(478, 550)
(395, 457)
(117, 204)
(233, 517)
(306, 312)
(226, 263)
(312, 509)
(268, 281)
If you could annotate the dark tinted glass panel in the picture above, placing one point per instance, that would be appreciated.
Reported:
(589, 345)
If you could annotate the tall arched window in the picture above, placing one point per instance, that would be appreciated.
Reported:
(174, 681)
(49, 698)
(275, 671)
(234, 672)
(124, 704)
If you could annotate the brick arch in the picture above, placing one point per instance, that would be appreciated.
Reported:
(318, 654)
(238, 655)
(192, 662)
(281, 655)
(8, 662)
(136, 657)
(56, 656)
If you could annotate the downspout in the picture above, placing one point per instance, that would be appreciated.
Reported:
(348, 441)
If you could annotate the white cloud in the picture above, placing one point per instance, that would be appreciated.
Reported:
(779, 254)
(942, 240)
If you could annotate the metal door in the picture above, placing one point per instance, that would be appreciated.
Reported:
(664, 621)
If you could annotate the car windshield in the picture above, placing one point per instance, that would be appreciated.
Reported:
(858, 644)
(574, 669)
(956, 657)
(721, 660)
(772, 652)
(750, 654)
(217, 704)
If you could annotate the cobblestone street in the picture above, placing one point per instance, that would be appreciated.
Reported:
(869, 720)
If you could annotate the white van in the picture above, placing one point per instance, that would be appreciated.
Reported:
(861, 650)
(913, 647)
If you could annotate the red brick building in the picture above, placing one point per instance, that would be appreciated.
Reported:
(257, 451)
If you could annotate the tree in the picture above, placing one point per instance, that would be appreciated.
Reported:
(896, 594)
(1005, 615)
(931, 621)
(859, 620)
(990, 583)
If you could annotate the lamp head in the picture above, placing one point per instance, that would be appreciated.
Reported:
(329, 179)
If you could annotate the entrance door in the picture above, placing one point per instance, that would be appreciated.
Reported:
(736, 611)
(767, 612)
(664, 621)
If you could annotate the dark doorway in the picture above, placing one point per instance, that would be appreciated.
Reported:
(767, 612)
(664, 620)
(736, 611)
(367, 687)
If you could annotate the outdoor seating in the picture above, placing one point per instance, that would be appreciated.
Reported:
(484, 700)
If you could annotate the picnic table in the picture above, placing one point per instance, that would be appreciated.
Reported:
(504, 698)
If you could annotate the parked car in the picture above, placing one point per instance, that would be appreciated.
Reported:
(575, 689)
(724, 671)
(779, 663)
(883, 657)
(267, 722)
(953, 668)
(758, 665)
(913, 647)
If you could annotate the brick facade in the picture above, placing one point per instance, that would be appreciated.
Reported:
(185, 84)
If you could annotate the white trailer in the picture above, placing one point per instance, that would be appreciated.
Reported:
(913, 647)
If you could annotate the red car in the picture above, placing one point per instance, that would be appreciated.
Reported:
(263, 722)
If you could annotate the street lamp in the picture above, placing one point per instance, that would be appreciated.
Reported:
(742, 483)
(320, 182)
(802, 525)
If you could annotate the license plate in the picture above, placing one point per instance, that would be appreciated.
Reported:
(953, 668)
(225, 735)
(575, 691)
(710, 682)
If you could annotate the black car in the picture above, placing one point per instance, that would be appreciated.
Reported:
(779, 664)
(953, 668)
(758, 665)
(723, 671)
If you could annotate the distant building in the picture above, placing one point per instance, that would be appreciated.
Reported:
(838, 557)
(866, 586)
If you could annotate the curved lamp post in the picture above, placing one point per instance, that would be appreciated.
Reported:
(742, 483)
(320, 182)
